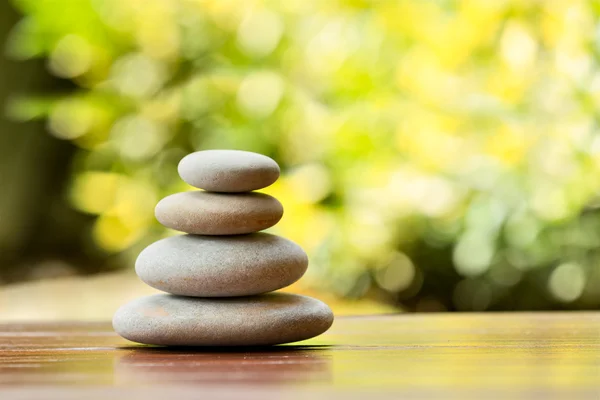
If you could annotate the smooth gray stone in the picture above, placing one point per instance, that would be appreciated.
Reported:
(221, 266)
(206, 213)
(268, 319)
(228, 170)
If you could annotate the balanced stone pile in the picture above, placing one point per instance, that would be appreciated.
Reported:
(219, 273)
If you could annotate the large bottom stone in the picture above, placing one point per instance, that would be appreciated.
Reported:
(268, 319)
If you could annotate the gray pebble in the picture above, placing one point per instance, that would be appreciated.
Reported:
(206, 213)
(268, 319)
(228, 170)
(221, 266)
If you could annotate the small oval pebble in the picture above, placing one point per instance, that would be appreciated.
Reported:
(221, 266)
(268, 319)
(206, 213)
(228, 170)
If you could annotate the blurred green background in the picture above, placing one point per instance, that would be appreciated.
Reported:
(436, 154)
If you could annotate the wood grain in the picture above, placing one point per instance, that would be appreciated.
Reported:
(504, 356)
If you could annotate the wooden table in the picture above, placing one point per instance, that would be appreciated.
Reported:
(479, 356)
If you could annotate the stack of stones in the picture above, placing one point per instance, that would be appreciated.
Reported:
(219, 274)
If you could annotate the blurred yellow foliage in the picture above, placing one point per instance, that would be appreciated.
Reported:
(442, 151)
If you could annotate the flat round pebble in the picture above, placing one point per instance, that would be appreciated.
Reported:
(221, 266)
(206, 213)
(228, 170)
(268, 319)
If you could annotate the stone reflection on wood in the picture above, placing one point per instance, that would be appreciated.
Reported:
(219, 274)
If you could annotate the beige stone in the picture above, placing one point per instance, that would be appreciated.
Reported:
(268, 319)
(220, 266)
(228, 170)
(206, 213)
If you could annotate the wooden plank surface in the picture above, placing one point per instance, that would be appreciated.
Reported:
(478, 356)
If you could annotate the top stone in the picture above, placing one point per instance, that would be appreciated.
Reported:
(228, 171)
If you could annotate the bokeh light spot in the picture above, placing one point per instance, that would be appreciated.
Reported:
(260, 93)
(138, 75)
(72, 56)
(138, 138)
(473, 253)
(71, 118)
(518, 46)
(112, 234)
(94, 192)
(259, 33)
(567, 282)
(311, 182)
(397, 275)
